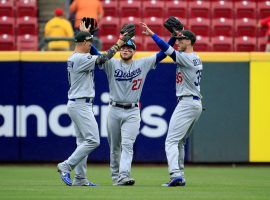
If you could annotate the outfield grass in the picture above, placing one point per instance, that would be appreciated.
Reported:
(209, 183)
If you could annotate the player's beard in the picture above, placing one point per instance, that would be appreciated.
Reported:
(127, 58)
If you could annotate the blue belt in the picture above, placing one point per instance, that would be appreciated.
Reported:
(87, 99)
(193, 97)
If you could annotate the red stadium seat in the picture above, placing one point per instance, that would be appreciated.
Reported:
(26, 8)
(110, 8)
(108, 41)
(109, 26)
(200, 26)
(153, 8)
(246, 27)
(27, 25)
(262, 31)
(263, 9)
(139, 43)
(6, 8)
(262, 41)
(7, 25)
(27, 42)
(222, 8)
(202, 43)
(245, 9)
(130, 8)
(150, 45)
(132, 20)
(222, 43)
(199, 8)
(245, 43)
(177, 8)
(222, 26)
(156, 24)
(7, 42)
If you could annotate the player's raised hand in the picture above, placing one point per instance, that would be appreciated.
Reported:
(147, 31)
(83, 27)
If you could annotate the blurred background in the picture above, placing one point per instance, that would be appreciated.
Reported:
(233, 38)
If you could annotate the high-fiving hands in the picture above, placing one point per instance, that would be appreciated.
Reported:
(147, 31)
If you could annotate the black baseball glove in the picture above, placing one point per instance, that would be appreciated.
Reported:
(174, 26)
(127, 32)
(90, 21)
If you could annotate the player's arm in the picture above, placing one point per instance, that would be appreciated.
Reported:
(161, 55)
(102, 58)
(94, 51)
(165, 47)
(264, 21)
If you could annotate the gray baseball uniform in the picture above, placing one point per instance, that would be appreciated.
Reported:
(123, 122)
(187, 111)
(81, 93)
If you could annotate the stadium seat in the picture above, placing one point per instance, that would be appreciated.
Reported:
(202, 43)
(150, 45)
(245, 43)
(177, 8)
(27, 25)
(6, 8)
(222, 43)
(199, 8)
(109, 26)
(156, 24)
(129, 8)
(200, 26)
(222, 26)
(246, 27)
(262, 31)
(139, 43)
(110, 8)
(132, 20)
(263, 9)
(27, 42)
(153, 8)
(7, 25)
(26, 8)
(222, 8)
(261, 43)
(7, 42)
(245, 9)
(108, 41)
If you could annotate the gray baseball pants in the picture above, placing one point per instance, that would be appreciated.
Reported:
(186, 113)
(87, 135)
(122, 127)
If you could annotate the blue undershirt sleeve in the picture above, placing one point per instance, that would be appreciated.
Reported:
(164, 46)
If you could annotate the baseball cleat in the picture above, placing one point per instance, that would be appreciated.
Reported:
(83, 182)
(174, 182)
(126, 182)
(62, 168)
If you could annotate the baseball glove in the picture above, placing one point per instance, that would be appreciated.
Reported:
(174, 25)
(127, 32)
(90, 21)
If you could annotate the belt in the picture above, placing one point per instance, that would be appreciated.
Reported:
(193, 97)
(84, 99)
(124, 106)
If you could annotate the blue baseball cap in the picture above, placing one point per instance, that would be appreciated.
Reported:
(130, 43)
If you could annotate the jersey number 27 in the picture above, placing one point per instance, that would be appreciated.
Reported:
(136, 84)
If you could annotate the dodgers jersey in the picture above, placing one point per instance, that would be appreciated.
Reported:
(80, 68)
(188, 74)
(126, 80)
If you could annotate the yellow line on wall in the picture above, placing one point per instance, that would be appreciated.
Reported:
(259, 130)
(61, 56)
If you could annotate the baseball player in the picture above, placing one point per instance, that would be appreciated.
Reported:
(189, 107)
(126, 78)
(80, 66)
